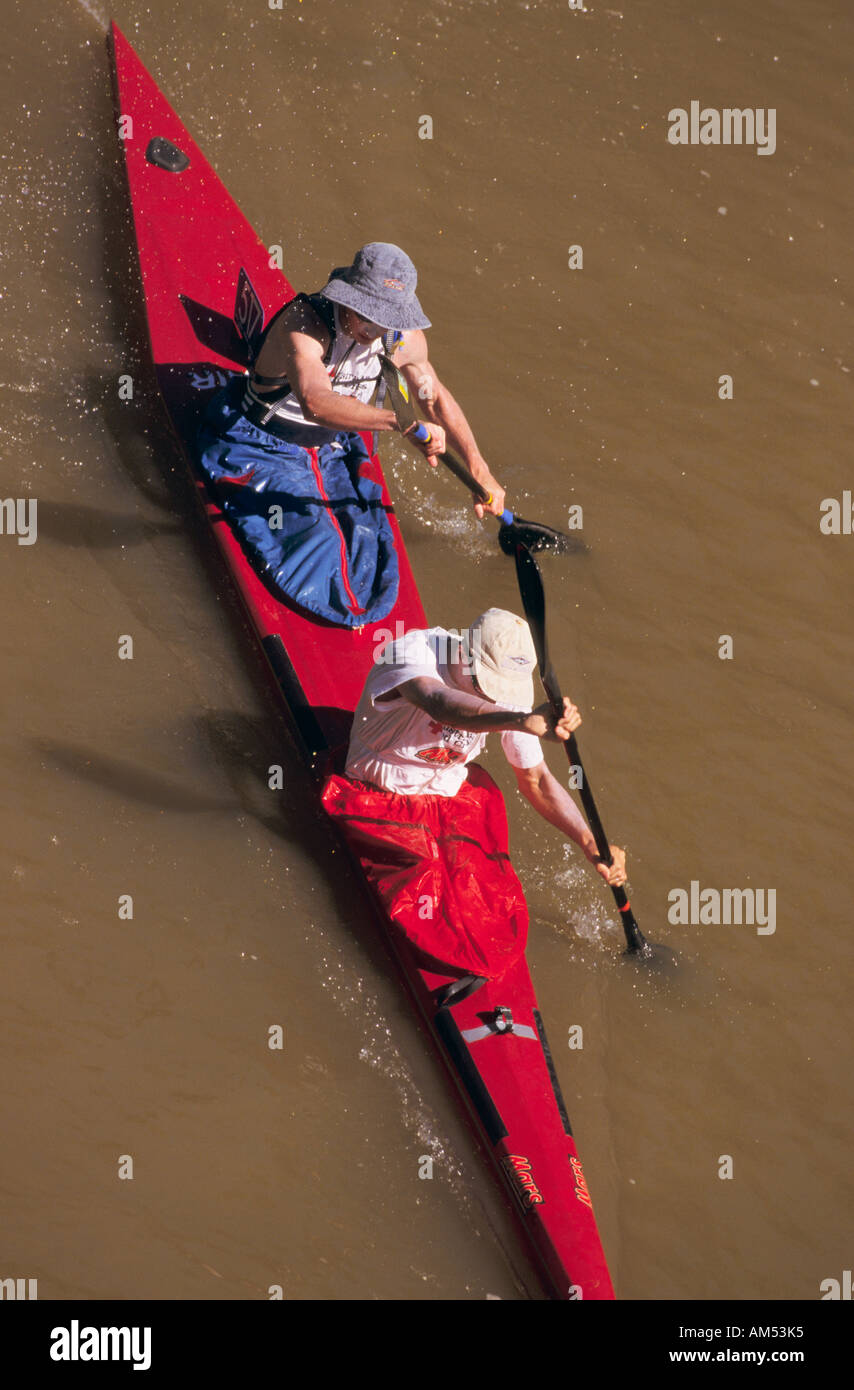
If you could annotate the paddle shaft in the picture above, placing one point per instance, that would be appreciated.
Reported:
(534, 603)
(406, 416)
(634, 937)
(459, 470)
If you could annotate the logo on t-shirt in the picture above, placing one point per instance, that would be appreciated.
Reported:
(360, 386)
(443, 756)
(454, 748)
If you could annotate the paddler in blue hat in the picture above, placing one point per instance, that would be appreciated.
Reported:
(326, 347)
(292, 431)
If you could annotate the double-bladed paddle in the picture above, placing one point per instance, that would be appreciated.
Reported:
(534, 604)
(513, 529)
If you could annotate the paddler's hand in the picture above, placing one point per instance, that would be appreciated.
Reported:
(545, 724)
(430, 447)
(496, 506)
(615, 875)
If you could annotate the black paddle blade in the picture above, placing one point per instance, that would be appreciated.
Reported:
(536, 536)
(655, 960)
(533, 597)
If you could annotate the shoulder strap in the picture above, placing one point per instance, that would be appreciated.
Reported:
(325, 311)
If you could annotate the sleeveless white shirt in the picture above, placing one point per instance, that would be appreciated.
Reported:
(353, 367)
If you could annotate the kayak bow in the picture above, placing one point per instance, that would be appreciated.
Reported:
(196, 252)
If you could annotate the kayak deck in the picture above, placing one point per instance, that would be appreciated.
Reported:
(192, 242)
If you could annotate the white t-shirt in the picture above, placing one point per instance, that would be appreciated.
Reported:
(399, 747)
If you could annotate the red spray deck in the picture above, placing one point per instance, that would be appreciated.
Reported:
(192, 241)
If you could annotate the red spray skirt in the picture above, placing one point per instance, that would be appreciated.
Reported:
(440, 868)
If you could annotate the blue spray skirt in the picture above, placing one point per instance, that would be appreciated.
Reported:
(312, 520)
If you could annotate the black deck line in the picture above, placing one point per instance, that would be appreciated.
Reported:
(547, 1053)
(470, 1076)
(300, 710)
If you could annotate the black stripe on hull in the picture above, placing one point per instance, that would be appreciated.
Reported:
(547, 1053)
(309, 730)
(470, 1076)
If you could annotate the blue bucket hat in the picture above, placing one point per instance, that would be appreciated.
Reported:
(380, 286)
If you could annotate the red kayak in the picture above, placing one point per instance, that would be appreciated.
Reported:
(204, 270)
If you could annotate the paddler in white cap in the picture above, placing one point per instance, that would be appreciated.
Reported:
(429, 702)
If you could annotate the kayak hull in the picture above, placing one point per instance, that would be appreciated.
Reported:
(192, 242)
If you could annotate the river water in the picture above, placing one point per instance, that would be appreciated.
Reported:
(597, 387)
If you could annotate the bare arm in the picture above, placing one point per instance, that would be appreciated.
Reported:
(440, 408)
(463, 711)
(294, 349)
(554, 804)
(459, 710)
(303, 363)
(537, 784)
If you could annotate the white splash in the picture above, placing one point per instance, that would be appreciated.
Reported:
(379, 1051)
(95, 12)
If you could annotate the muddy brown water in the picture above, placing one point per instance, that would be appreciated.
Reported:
(596, 387)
